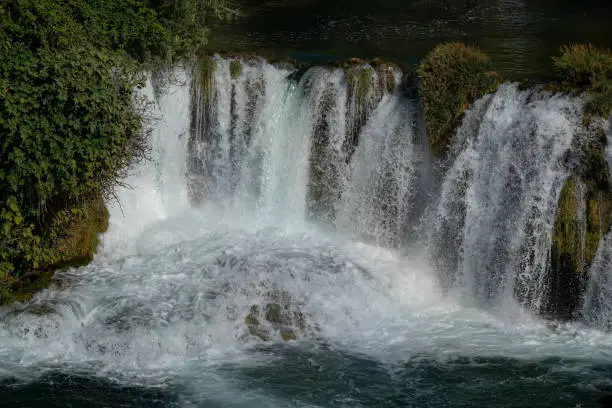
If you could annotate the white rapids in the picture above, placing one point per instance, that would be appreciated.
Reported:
(169, 291)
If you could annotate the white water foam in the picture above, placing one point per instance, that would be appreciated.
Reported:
(172, 285)
(493, 224)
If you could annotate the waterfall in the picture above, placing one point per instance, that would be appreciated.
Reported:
(325, 144)
(157, 188)
(343, 148)
(493, 222)
(383, 179)
(597, 306)
(292, 224)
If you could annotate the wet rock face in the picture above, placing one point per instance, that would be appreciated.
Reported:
(583, 218)
(278, 316)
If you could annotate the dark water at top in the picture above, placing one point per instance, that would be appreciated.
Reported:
(519, 35)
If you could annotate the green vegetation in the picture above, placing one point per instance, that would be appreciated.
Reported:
(70, 122)
(579, 229)
(588, 68)
(576, 236)
(360, 81)
(204, 77)
(595, 173)
(386, 74)
(567, 234)
(452, 76)
(235, 68)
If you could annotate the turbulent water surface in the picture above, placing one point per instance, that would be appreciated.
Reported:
(402, 289)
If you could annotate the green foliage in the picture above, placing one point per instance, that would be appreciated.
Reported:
(235, 68)
(70, 122)
(576, 236)
(600, 103)
(360, 81)
(584, 64)
(567, 239)
(147, 30)
(452, 76)
(205, 75)
(587, 67)
(68, 125)
(71, 239)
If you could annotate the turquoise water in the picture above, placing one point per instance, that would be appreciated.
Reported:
(313, 376)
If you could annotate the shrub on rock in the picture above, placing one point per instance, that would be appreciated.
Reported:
(587, 67)
(452, 77)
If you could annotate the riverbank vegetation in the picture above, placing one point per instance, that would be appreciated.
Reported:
(70, 121)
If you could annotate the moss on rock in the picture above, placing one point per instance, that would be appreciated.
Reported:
(584, 215)
(360, 80)
(278, 315)
(72, 243)
(567, 233)
(585, 67)
(596, 175)
(80, 242)
(386, 74)
(235, 68)
(362, 98)
(452, 77)
(204, 76)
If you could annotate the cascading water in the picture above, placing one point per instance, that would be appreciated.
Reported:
(254, 142)
(326, 145)
(597, 306)
(223, 249)
(494, 220)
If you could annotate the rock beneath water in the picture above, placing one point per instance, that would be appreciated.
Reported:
(278, 316)
(583, 217)
(355, 61)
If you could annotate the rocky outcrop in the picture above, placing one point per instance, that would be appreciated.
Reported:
(278, 316)
(584, 216)
(367, 83)
(72, 243)
(202, 87)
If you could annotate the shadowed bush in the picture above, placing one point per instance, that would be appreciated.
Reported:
(587, 67)
(452, 76)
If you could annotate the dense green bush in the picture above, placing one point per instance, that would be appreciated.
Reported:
(452, 76)
(70, 122)
(587, 67)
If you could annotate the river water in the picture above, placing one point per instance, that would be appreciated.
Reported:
(520, 36)
(381, 311)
